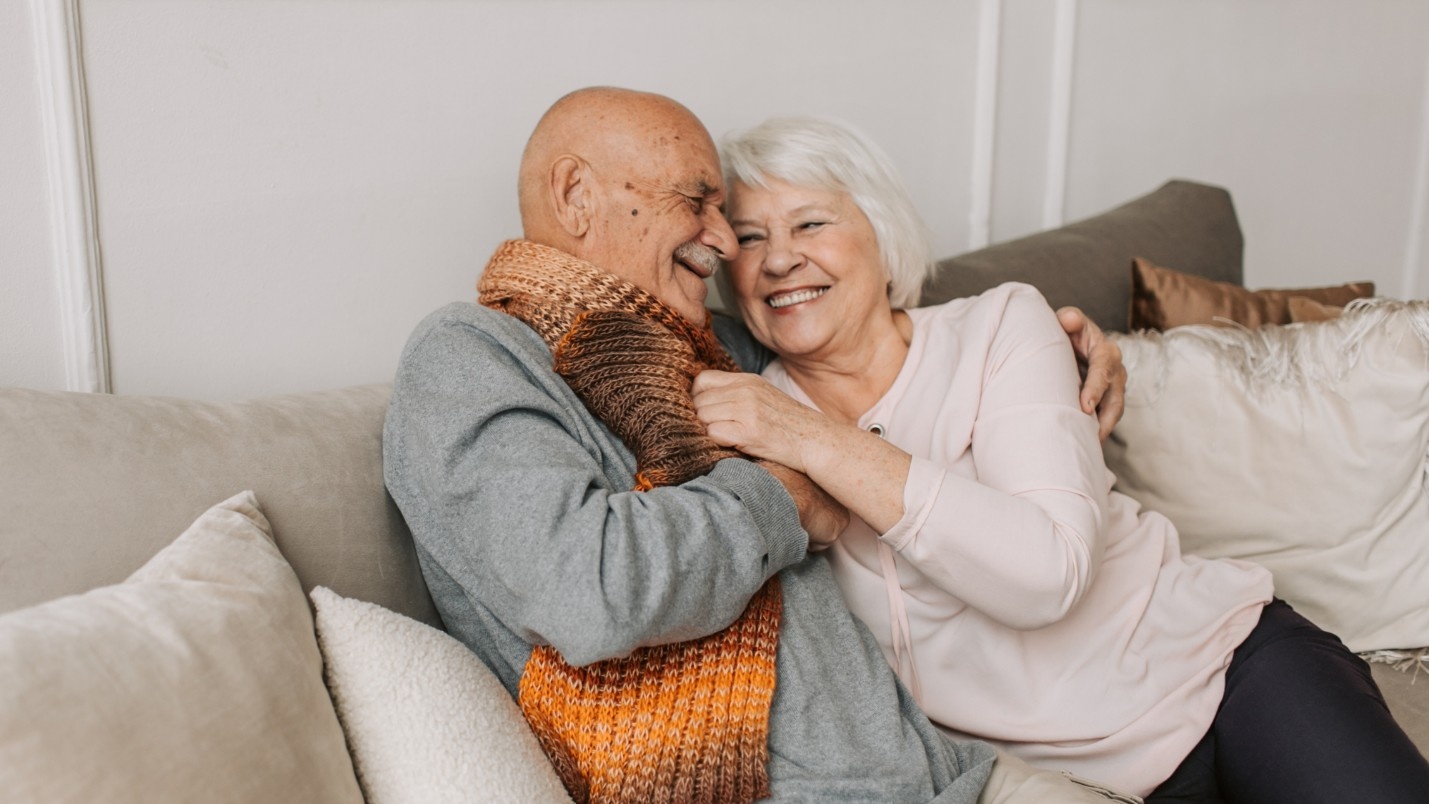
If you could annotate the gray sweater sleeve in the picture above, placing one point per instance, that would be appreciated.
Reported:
(524, 500)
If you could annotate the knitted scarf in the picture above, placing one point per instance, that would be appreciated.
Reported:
(677, 722)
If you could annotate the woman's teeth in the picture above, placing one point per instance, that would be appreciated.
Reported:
(796, 297)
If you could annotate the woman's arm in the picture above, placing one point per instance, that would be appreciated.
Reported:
(1016, 530)
(855, 467)
(1020, 540)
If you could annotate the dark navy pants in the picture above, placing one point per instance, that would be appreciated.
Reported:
(1302, 721)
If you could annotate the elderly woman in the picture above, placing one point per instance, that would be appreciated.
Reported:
(1021, 599)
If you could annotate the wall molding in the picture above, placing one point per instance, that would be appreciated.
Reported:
(73, 220)
(1409, 287)
(989, 44)
(1059, 117)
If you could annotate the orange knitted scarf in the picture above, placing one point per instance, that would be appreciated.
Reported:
(678, 722)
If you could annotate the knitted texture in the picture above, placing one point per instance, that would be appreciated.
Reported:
(679, 722)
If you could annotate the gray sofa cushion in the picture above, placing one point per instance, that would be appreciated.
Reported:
(94, 485)
(1183, 225)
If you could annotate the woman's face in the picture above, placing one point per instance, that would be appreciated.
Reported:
(808, 276)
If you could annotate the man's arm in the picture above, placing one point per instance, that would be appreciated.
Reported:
(525, 501)
(823, 517)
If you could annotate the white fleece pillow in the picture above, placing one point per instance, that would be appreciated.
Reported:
(197, 679)
(426, 721)
(1300, 447)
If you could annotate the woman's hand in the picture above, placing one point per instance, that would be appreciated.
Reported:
(857, 468)
(1104, 388)
(745, 412)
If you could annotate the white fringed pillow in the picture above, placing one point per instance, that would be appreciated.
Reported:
(1301, 447)
(426, 721)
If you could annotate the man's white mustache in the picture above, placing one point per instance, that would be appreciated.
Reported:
(699, 255)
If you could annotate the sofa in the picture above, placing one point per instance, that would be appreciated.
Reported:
(96, 488)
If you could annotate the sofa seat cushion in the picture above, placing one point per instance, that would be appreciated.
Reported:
(1406, 690)
(197, 679)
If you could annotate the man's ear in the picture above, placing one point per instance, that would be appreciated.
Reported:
(573, 194)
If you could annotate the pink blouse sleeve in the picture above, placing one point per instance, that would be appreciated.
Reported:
(1021, 540)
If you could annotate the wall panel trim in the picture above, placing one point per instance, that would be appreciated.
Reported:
(1414, 268)
(1059, 117)
(73, 221)
(989, 40)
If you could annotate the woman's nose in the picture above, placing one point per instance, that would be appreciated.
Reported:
(781, 258)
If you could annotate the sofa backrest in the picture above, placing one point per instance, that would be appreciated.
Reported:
(93, 485)
(1183, 225)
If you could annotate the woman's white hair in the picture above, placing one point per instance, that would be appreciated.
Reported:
(828, 155)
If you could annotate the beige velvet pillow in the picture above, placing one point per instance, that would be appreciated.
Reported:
(197, 679)
(1162, 298)
(1301, 447)
(427, 721)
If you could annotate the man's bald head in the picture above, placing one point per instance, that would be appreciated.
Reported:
(629, 181)
(607, 126)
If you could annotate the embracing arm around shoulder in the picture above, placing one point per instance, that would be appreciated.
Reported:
(1006, 515)
(524, 500)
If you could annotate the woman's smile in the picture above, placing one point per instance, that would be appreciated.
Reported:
(793, 297)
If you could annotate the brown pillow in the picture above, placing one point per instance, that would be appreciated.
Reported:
(1308, 311)
(1162, 298)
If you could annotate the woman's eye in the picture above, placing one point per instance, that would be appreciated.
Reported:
(808, 225)
(746, 239)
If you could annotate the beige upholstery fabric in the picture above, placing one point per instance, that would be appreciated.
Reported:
(426, 721)
(1302, 448)
(1408, 696)
(1013, 781)
(93, 485)
(1163, 298)
(198, 679)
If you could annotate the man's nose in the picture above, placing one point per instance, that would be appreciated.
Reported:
(718, 235)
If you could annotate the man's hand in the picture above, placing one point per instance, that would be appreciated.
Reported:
(821, 515)
(1104, 389)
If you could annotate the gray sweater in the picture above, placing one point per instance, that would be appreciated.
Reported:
(528, 533)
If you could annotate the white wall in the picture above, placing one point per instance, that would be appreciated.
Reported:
(285, 187)
(31, 343)
(1311, 111)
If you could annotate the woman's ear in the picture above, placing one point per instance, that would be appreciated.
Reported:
(573, 194)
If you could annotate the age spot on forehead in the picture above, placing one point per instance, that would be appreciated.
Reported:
(634, 212)
(630, 185)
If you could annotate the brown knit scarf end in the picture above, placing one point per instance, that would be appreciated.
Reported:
(677, 722)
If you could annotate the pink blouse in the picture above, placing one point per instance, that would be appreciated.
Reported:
(1021, 599)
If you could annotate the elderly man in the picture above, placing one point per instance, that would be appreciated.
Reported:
(655, 604)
